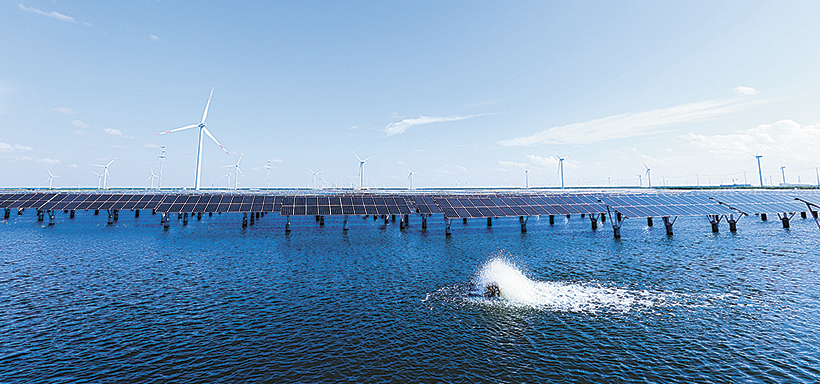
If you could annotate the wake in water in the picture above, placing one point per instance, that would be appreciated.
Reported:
(516, 289)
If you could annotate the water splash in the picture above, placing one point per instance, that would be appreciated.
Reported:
(519, 290)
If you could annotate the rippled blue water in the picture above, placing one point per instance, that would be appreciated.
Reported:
(210, 302)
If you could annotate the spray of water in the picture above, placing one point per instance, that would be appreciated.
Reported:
(519, 290)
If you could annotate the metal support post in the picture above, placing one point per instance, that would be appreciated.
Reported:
(649, 222)
(668, 223)
(552, 219)
(71, 214)
(110, 217)
(199, 215)
(185, 219)
(7, 214)
(50, 217)
(136, 213)
(603, 218)
(447, 223)
(489, 222)
(464, 220)
(253, 218)
(593, 219)
(803, 215)
(116, 214)
(344, 226)
(287, 225)
(39, 215)
(714, 220)
(424, 222)
(523, 221)
(763, 217)
(96, 212)
(245, 220)
(785, 218)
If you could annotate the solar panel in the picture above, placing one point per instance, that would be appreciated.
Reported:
(659, 205)
(760, 202)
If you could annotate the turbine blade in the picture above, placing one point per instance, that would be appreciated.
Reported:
(179, 129)
(214, 139)
(240, 159)
(357, 156)
(365, 160)
(205, 114)
(109, 163)
(240, 171)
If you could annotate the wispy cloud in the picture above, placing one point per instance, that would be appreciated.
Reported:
(80, 124)
(639, 124)
(67, 111)
(783, 139)
(55, 15)
(6, 147)
(49, 161)
(401, 126)
(153, 37)
(116, 133)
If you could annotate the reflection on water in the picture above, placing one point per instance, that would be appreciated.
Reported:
(210, 302)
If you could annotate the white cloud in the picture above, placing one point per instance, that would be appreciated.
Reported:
(116, 133)
(401, 126)
(80, 132)
(78, 123)
(5, 147)
(56, 15)
(785, 139)
(73, 166)
(505, 163)
(153, 37)
(635, 124)
(49, 161)
(67, 111)
(740, 90)
(150, 145)
(546, 162)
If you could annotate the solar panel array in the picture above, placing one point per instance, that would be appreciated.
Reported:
(659, 205)
(346, 204)
(452, 205)
(755, 203)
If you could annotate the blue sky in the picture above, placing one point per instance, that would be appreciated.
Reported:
(463, 93)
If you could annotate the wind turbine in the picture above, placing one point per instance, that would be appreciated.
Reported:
(527, 179)
(759, 171)
(314, 176)
(152, 178)
(105, 175)
(783, 172)
(268, 177)
(361, 168)
(410, 177)
(228, 175)
(202, 128)
(161, 158)
(648, 175)
(99, 178)
(640, 181)
(50, 179)
(235, 171)
(560, 166)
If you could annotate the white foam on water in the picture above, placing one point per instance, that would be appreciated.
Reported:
(519, 290)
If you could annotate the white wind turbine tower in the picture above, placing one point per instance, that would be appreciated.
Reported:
(99, 178)
(560, 166)
(648, 175)
(314, 176)
(202, 129)
(105, 175)
(152, 177)
(410, 177)
(50, 179)
(361, 169)
(228, 175)
(235, 171)
(161, 158)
